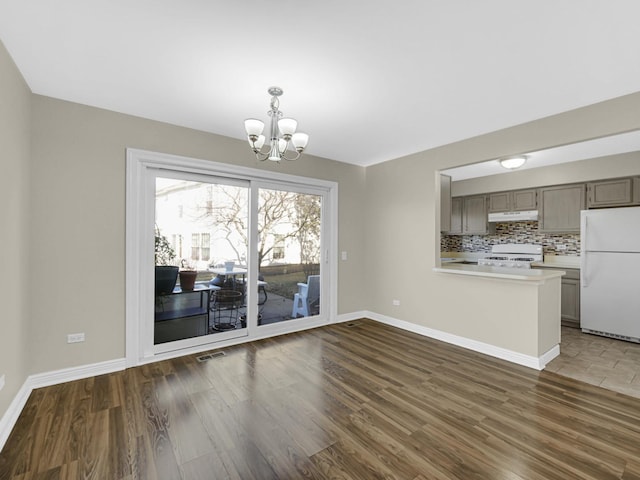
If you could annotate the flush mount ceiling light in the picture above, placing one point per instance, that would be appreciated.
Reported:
(514, 162)
(282, 134)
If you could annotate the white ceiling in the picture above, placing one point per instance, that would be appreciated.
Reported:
(369, 81)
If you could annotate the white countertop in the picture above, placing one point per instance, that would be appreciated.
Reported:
(559, 261)
(531, 275)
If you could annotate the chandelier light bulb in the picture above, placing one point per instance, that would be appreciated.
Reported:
(287, 126)
(253, 126)
(300, 140)
(259, 142)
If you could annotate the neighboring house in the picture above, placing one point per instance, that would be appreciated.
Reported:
(194, 217)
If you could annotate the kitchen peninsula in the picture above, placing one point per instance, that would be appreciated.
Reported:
(525, 327)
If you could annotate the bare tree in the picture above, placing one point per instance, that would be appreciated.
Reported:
(277, 208)
(308, 225)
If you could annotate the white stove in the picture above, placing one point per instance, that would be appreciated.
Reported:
(512, 255)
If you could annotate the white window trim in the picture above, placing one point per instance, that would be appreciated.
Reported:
(139, 254)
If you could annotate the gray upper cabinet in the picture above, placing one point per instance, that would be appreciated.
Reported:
(610, 193)
(513, 201)
(445, 203)
(636, 190)
(456, 216)
(524, 200)
(560, 208)
(474, 215)
(469, 215)
(499, 202)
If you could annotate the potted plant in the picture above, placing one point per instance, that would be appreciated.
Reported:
(188, 278)
(166, 274)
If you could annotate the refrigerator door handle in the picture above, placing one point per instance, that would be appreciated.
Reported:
(583, 250)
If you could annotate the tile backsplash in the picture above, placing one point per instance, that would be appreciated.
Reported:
(514, 232)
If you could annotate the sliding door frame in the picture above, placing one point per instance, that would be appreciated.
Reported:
(139, 251)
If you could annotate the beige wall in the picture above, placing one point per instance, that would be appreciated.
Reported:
(622, 165)
(15, 115)
(78, 221)
(403, 241)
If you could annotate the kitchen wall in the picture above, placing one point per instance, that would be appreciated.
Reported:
(403, 226)
(514, 232)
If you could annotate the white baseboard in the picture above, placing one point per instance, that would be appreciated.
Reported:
(548, 356)
(537, 363)
(46, 379)
(10, 417)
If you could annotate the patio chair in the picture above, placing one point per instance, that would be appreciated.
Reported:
(307, 301)
(262, 286)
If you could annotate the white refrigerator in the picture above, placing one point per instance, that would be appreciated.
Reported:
(610, 272)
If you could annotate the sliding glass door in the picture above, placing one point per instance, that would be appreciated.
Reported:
(218, 252)
(288, 254)
(200, 241)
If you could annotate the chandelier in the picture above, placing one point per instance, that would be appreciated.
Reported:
(282, 136)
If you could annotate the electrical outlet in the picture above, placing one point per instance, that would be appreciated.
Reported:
(561, 248)
(75, 337)
(396, 303)
(344, 255)
(1, 381)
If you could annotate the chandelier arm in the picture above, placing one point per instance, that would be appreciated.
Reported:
(255, 149)
(283, 156)
(261, 156)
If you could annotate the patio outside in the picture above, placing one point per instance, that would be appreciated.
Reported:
(201, 226)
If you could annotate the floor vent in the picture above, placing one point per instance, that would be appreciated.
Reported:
(612, 335)
(353, 324)
(210, 356)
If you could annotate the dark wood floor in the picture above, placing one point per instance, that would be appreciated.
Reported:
(339, 402)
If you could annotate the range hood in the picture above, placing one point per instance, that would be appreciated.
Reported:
(522, 216)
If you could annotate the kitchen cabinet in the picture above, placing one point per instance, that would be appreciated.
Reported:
(445, 203)
(636, 190)
(474, 215)
(610, 193)
(560, 207)
(469, 215)
(513, 201)
(499, 202)
(569, 297)
(456, 216)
